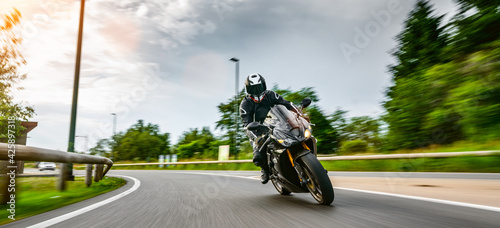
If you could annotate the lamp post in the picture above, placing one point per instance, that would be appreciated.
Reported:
(114, 123)
(68, 171)
(236, 110)
(86, 151)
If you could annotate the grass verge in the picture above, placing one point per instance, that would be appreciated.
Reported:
(459, 146)
(468, 164)
(35, 195)
(484, 164)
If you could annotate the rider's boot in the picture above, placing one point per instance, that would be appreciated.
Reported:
(264, 177)
(257, 158)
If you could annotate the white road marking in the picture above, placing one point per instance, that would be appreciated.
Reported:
(137, 184)
(454, 203)
(215, 174)
(67, 216)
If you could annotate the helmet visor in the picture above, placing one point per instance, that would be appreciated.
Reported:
(256, 89)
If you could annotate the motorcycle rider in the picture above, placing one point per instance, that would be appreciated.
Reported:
(254, 108)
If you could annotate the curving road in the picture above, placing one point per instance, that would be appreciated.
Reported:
(234, 199)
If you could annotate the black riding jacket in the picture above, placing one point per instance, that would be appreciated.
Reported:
(251, 111)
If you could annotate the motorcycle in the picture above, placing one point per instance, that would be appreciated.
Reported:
(292, 154)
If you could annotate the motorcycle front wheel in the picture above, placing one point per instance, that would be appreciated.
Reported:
(318, 182)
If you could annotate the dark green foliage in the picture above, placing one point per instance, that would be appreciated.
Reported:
(323, 131)
(195, 142)
(420, 44)
(477, 30)
(363, 128)
(446, 91)
(142, 142)
(354, 146)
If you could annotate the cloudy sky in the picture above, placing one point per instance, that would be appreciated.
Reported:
(167, 62)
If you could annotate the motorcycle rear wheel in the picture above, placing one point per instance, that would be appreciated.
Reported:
(318, 182)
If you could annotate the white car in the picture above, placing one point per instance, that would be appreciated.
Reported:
(46, 166)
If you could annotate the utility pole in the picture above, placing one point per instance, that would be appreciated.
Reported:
(72, 128)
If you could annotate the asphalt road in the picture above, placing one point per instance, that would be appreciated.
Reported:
(191, 199)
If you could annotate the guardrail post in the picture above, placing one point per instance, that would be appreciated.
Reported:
(63, 176)
(101, 171)
(20, 167)
(4, 182)
(88, 176)
(98, 172)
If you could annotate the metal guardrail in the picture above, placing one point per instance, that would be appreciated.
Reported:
(185, 163)
(412, 155)
(10, 153)
(26, 153)
(339, 158)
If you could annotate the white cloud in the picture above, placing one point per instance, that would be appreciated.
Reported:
(167, 61)
(206, 74)
(114, 77)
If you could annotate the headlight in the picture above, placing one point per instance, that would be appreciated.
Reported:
(286, 142)
(307, 133)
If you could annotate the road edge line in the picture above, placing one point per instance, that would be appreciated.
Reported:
(64, 217)
(449, 202)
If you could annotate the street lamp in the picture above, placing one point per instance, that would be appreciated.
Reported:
(236, 110)
(86, 151)
(114, 123)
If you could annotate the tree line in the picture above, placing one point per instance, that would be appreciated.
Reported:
(446, 79)
(10, 62)
(446, 88)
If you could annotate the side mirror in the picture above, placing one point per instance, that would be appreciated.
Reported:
(306, 102)
(253, 126)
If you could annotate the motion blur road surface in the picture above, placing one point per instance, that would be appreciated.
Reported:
(235, 199)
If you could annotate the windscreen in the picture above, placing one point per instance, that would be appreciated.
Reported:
(282, 118)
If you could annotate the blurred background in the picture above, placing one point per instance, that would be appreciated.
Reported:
(156, 79)
(159, 82)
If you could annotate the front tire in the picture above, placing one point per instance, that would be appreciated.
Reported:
(318, 182)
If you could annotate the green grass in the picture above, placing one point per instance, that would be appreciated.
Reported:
(460, 146)
(35, 195)
(476, 164)
(487, 164)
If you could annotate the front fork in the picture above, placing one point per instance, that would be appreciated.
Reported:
(300, 172)
(298, 168)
